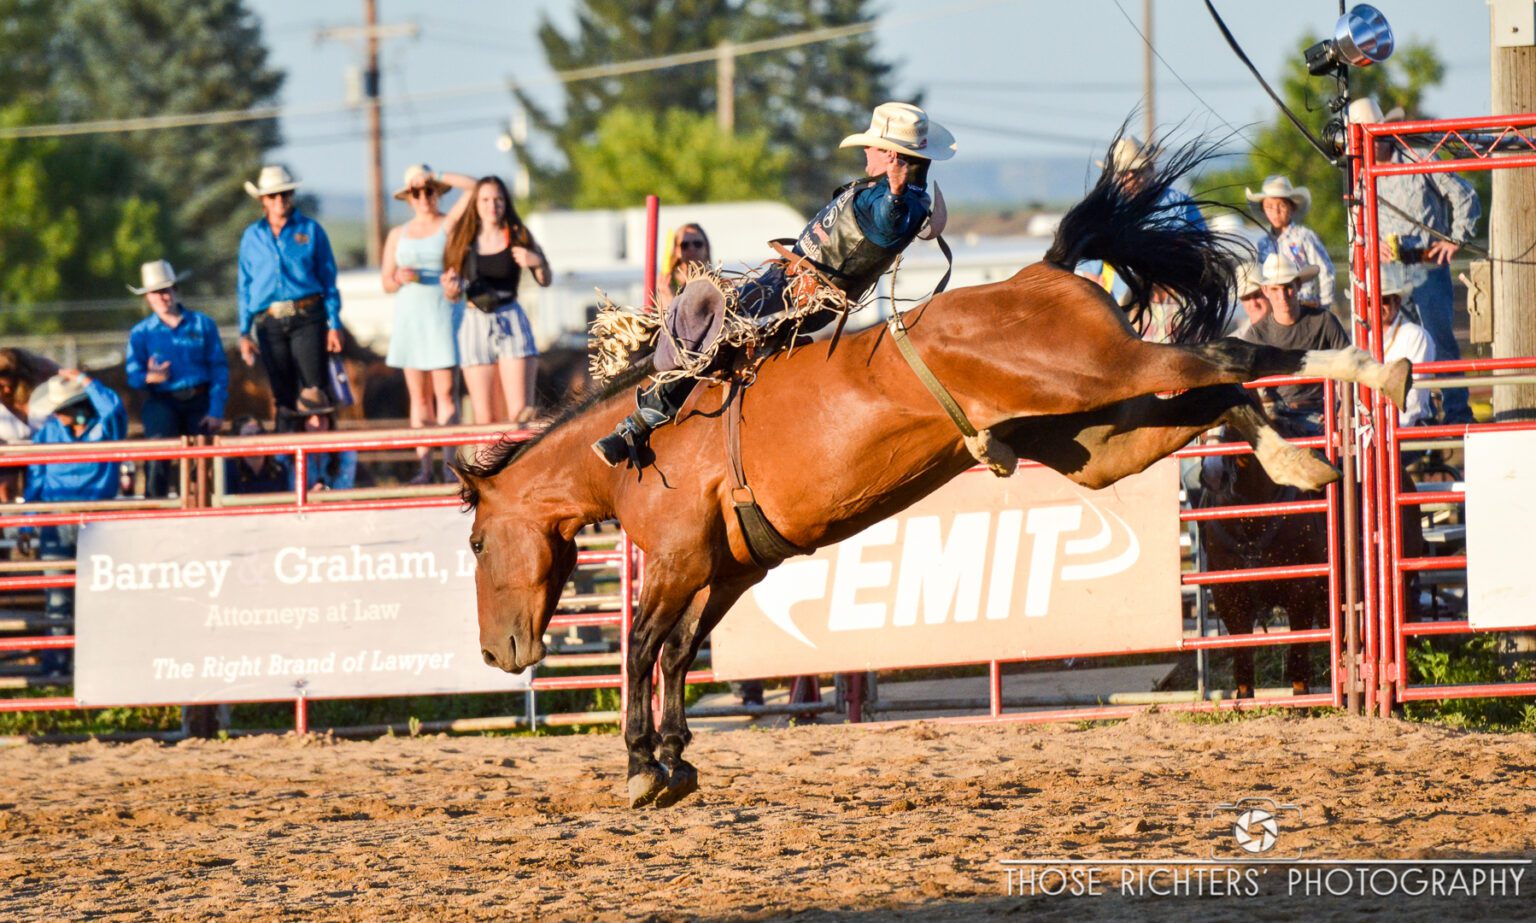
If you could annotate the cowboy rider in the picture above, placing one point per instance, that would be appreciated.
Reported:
(852, 241)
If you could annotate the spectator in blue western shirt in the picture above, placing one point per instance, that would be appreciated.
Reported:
(79, 409)
(176, 356)
(290, 309)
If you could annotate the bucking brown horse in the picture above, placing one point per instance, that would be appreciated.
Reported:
(837, 439)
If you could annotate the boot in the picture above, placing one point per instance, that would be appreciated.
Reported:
(653, 407)
(629, 438)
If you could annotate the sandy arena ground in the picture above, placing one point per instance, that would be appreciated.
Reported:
(902, 821)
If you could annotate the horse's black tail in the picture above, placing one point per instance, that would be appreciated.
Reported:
(1147, 237)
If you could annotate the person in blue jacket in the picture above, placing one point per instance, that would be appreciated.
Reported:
(176, 356)
(79, 409)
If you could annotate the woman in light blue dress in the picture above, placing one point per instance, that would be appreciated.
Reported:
(422, 340)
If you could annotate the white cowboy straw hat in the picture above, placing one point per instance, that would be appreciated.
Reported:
(1394, 280)
(420, 169)
(1247, 280)
(1279, 187)
(55, 394)
(1280, 270)
(274, 178)
(156, 276)
(1129, 155)
(1366, 111)
(905, 129)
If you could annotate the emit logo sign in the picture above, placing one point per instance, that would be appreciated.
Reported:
(1031, 566)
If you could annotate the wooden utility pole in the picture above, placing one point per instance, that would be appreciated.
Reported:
(1512, 220)
(1148, 74)
(371, 32)
(375, 134)
(725, 86)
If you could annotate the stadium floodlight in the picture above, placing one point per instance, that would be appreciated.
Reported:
(1361, 38)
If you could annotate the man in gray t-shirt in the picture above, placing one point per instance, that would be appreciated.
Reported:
(1289, 326)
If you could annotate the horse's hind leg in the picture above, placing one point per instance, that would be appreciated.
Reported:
(677, 655)
(1252, 360)
(1098, 448)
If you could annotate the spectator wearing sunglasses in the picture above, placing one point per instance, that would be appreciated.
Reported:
(421, 342)
(290, 309)
(690, 248)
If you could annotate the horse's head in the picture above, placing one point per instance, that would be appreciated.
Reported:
(524, 554)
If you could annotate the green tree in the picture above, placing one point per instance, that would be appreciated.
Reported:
(127, 58)
(805, 99)
(635, 153)
(68, 230)
(1279, 148)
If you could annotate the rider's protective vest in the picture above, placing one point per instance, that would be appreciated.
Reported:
(839, 248)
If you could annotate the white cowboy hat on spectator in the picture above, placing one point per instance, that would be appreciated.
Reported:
(1394, 280)
(1279, 187)
(420, 169)
(274, 178)
(156, 276)
(1366, 111)
(1129, 154)
(56, 394)
(1248, 280)
(1280, 270)
(905, 129)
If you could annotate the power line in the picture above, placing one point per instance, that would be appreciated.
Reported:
(597, 72)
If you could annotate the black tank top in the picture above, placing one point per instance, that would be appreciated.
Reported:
(500, 272)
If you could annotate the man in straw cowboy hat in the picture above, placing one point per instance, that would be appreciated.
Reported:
(77, 409)
(1423, 219)
(850, 243)
(290, 310)
(1282, 207)
(1250, 297)
(1289, 325)
(176, 357)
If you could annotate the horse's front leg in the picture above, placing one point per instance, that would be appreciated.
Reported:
(646, 777)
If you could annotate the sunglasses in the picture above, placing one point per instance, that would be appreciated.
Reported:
(423, 192)
(287, 194)
(691, 245)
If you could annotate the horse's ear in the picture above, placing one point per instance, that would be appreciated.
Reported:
(470, 484)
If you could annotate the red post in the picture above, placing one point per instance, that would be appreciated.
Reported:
(627, 617)
(301, 715)
(855, 698)
(652, 215)
(995, 682)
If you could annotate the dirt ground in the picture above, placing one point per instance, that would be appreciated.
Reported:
(908, 821)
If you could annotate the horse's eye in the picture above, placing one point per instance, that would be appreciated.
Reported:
(476, 545)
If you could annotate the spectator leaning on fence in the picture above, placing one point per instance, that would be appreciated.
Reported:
(1281, 207)
(1423, 219)
(176, 356)
(1403, 339)
(1291, 326)
(290, 309)
(79, 409)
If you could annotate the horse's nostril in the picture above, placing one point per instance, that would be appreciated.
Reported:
(490, 658)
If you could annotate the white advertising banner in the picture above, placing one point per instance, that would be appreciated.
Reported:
(985, 568)
(328, 604)
(1501, 505)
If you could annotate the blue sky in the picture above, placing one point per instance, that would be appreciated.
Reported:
(1000, 73)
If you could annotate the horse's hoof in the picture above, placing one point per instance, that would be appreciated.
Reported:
(683, 781)
(1399, 380)
(645, 785)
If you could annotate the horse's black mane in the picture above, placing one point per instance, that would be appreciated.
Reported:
(1152, 245)
(495, 458)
